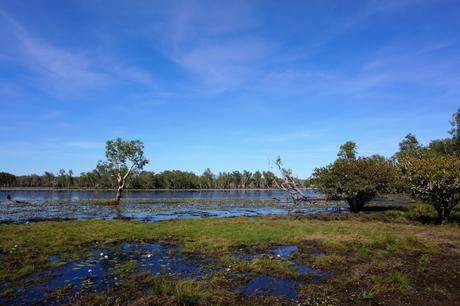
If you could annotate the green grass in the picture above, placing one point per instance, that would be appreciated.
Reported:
(126, 268)
(25, 246)
(372, 256)
(419, 212)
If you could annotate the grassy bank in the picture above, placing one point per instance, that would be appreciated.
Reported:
(389, 257)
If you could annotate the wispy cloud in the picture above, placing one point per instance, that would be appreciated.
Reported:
(395, 65)
(228, 64)
(214, 42)
(58, 68)
(62, 71)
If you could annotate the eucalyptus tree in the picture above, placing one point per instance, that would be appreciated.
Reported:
(70, 178)
(257, 179)
(7, 179)
(50, 178)
(207, 179)
(449, 146)
(269, 179)
(236, 179)
(123, 159)
(348, 150)
(455, 131)
(246, 179)
(61, 179)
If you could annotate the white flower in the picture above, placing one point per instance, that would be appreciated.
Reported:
(228, 269)
(106, 256)
(278, 255)
(102, 254)
(149, 255)
(15, 245)
(89, 270)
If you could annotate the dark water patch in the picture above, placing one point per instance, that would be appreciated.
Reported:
(54, 258)
(286, 252)
(278, 286)
(281, 286)
(283, 251)
(317, 275)
(105, 267)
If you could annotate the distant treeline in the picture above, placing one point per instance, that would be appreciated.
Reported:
(100, 178)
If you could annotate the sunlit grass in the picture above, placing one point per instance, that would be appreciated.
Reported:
(25, 246)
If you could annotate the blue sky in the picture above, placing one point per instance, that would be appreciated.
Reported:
(222, 84)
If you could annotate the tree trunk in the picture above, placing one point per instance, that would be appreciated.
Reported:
(443, 215)
(119, 194)
(355, 205)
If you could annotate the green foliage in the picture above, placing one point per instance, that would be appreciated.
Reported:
(257, 179)
(442, 147)
(102, 178)
(449, 146)
(269, 179)
(125, 156)
(409, 145)
(434, 179)
(355, 180)
(455, 131)
(7, 179)
(123, 159)
(348, 150)
(207, 179)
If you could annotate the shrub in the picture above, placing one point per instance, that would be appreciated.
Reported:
(434, 179)
(356, 181)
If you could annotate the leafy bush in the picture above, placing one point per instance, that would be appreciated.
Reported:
(434, 179)
(356, 181)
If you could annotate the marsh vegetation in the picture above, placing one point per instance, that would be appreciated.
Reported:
(388, 254)
(385, 231)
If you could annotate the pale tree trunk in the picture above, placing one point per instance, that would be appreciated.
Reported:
(119, 194)
(121, 184)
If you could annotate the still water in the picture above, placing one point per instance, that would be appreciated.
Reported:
(76, 195)
(27, 206)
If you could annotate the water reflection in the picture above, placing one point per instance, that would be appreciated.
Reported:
(75, 195)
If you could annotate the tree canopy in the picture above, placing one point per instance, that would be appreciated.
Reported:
(434, 179)
(124, 158)
(348, 150)
(355, 180)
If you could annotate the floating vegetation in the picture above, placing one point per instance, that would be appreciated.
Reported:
(149, 210)
(107, 267)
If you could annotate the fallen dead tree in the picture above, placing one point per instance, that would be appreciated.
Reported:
(289, 185)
